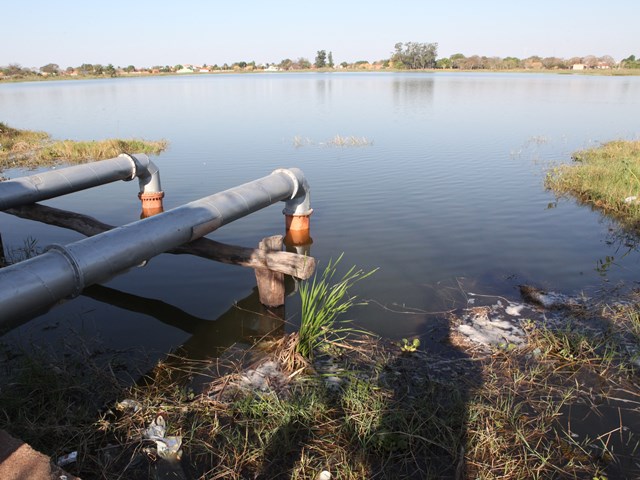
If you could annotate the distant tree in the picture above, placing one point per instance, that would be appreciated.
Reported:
(85, 69)
(532, 62)
(131, 69)
(177, 67)
(15, 70)
(110, 70)
(302, 63)
(330, 60)
(606, 61)
(553, 63)
(286, 64)
(590, 61)
(474, 62)
(630, 62)
(457, 60)
(344, 64)
(50, 68)
(414, 55)
(510, 63)
(321, 59)
(443, 63)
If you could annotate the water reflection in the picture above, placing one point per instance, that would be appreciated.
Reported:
(413, 93)
(244, 322)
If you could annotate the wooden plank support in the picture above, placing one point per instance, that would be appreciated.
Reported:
(293, 264)
(270, 283)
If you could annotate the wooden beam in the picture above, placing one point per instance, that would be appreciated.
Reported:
(288, 263)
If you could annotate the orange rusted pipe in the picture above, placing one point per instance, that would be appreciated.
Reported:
(297, 229)
(151, 203)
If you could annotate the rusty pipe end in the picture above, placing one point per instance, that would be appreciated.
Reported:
(151, 203)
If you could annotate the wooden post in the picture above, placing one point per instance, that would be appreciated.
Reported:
(270, 283)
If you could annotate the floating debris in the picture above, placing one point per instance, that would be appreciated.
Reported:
(548, 300)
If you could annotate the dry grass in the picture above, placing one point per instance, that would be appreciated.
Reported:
(336, 141)
(29, 149)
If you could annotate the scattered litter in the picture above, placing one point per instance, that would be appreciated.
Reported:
(499, 325)
(264, 377)
(488, 326)
(167, 447)
(324, 475)
(514, 310)
(67, 459)
(129, 404)
(633, 199)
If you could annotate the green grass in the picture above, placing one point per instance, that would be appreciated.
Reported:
(30, 149)
(604, 177)
(324, 300)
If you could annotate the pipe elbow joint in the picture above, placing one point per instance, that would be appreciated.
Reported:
(300, 201)
(147, 172)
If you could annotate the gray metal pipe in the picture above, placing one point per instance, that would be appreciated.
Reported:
(54, 183)
(29, 287)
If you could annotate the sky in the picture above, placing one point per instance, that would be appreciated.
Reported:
(145, 33)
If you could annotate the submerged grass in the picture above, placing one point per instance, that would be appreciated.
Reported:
(30, 149)
(606, 177)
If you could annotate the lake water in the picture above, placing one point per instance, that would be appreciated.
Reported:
(446, 196)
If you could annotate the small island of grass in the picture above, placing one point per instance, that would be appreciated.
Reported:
(30, 149)
(606, 177)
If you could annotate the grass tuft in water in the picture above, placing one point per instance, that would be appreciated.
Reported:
(336, 141)
(323, 301)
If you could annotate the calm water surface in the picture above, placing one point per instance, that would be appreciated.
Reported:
(447, 197)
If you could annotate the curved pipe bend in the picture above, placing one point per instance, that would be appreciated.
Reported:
(300, 201)
(147, 172)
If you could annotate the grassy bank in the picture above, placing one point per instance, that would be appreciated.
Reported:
(606, 177)
(562, 405)
(30, 149)
(363, 409)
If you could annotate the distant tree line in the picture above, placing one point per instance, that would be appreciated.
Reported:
(405, 56)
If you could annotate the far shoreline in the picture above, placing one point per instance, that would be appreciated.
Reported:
(623, 72)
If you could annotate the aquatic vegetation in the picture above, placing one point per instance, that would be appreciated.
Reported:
(31, 149)
(606, 177)
(323, 302)
(336, 141)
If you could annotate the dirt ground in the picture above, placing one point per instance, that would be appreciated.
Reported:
(18, 461)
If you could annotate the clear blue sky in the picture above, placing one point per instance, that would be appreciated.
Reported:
(161, 32)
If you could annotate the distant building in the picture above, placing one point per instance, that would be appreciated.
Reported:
(578, 66)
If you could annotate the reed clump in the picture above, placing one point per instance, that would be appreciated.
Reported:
(605, 177)
(31, 149)
(324, 300)
(342, 141)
